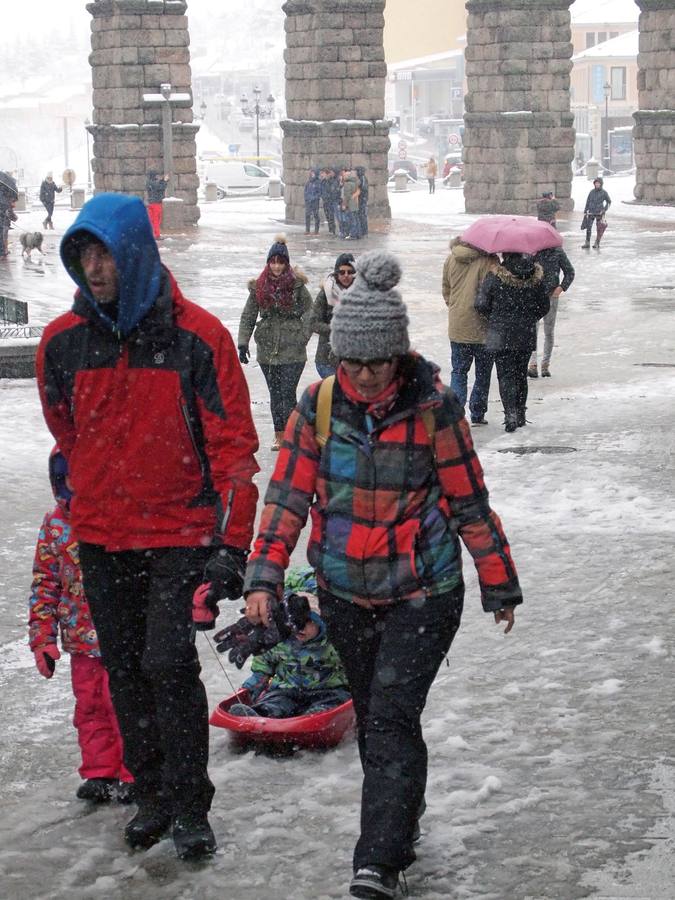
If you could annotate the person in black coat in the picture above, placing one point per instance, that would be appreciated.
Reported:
(48, 191)
(312, 200)
(553, 261)
(362, 179)
(597, 204)
(513, 298)
(155, 189)
(330, 196)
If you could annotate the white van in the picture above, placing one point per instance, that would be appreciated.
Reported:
(236, 177)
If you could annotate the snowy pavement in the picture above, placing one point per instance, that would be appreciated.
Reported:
(551, 750)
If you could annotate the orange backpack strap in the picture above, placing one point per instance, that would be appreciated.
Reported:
(324, 406)
(429, 420)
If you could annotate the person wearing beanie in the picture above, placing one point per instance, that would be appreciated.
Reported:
(275, 314)
(327, 299)
(597, 204)
(143, 392)
(390, 478)
(547, 207)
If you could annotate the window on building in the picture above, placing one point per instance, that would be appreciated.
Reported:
(590, 39)
(618, 82)
(602, 37)
(613, 34)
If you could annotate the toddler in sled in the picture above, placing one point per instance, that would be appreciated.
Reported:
(57, 603)
(302, 673)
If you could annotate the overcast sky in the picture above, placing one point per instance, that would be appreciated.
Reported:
(41, 16)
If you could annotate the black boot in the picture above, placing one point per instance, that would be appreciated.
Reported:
(193, 837)
(510, 422)
(520, 418)
(148, 826)
(97, 790)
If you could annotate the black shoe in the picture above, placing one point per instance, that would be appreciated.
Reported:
(126, 792)
(478, 420)
(97, 790)
(596, 246)
(193, 837)
(374, 882)
(510, 422)
(148, 826)
(520, 418)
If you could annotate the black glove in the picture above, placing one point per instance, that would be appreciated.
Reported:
(225, 570)
(244, 355)
(243, 639)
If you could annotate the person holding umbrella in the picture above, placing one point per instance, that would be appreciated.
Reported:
(597, 204)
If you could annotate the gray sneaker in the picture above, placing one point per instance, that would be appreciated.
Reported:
(374, 883)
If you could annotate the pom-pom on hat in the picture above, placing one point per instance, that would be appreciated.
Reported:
(279, 248)
(371, 321)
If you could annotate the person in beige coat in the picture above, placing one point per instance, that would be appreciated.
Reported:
(463, 272)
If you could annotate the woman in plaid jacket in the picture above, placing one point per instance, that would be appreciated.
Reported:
(397, 482)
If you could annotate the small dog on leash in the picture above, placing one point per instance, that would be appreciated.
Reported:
(31, 240)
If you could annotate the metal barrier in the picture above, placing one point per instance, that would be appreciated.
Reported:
(21, 331)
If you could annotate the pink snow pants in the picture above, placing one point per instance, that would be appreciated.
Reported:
(97, 732)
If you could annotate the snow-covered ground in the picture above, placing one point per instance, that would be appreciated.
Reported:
(551, 773)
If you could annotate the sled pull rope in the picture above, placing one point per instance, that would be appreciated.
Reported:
(220, 662)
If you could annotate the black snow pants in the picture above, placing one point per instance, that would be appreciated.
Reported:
(312, 212)
(282, 383)
(141, 604)
(511, 368)
(391, 656)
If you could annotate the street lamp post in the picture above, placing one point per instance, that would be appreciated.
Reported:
(607, 90)
(87, 123)
(260, 112)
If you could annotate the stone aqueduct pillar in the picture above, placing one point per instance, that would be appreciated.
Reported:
(136, 46)
(335, 77)
(519, 135)
(654, 130)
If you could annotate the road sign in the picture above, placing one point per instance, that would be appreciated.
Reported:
(453, 139)
(402, 145)
(402, 153)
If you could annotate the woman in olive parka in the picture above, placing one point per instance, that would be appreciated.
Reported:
(278, 301)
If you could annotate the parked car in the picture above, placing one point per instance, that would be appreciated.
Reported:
(451, 161)
(237, 177)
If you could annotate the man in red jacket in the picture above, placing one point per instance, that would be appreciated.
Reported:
(144, 393)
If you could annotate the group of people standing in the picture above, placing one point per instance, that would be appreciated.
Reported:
(143, 392)
(343, 194)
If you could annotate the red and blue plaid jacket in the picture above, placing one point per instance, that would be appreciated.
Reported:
(387, 508)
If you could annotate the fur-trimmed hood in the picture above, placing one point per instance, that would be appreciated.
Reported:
(535, 276)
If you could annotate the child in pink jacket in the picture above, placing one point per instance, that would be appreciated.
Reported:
(57, 603)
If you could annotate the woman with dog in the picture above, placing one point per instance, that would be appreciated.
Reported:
(48, 191)
(390, 476)
(278, 303)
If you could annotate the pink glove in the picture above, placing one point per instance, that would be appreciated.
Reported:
(204, 610)
(45, 659)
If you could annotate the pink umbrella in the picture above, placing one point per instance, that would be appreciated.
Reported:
(511, 234)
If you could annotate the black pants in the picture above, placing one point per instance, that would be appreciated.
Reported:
(511, 368)
(589, 227)
(329, 212)
(50, 210)
(391, 656)
(432, 185)
(312, 212)
(141, 604)
(282, 382)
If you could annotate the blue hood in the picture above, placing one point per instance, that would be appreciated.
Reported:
(121, 223)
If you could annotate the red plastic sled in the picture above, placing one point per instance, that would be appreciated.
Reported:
(317, 731)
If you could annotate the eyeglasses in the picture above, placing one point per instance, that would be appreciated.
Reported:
(374, 366)
(346, 272)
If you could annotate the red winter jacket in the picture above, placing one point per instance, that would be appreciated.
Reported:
(156, 426)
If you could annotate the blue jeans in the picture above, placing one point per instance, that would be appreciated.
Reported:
(462, 357)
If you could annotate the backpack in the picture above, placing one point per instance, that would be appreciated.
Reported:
(324, 407)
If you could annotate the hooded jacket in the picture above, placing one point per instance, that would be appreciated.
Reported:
(553, 261)
(298, 665)
(598, 201)
(147, 400)
(280, 335)
(463, 273)
(313, 189)
(387, 507)
(57, 601)
(513, 298)
(155, 187)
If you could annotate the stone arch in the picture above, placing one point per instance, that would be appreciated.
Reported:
(519, 135)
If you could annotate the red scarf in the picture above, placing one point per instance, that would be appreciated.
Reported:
(273, 292)
(378, 406)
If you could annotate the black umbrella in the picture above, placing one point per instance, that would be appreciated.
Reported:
(8, 185)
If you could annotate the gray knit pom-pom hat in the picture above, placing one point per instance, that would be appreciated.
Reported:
(371, 322)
